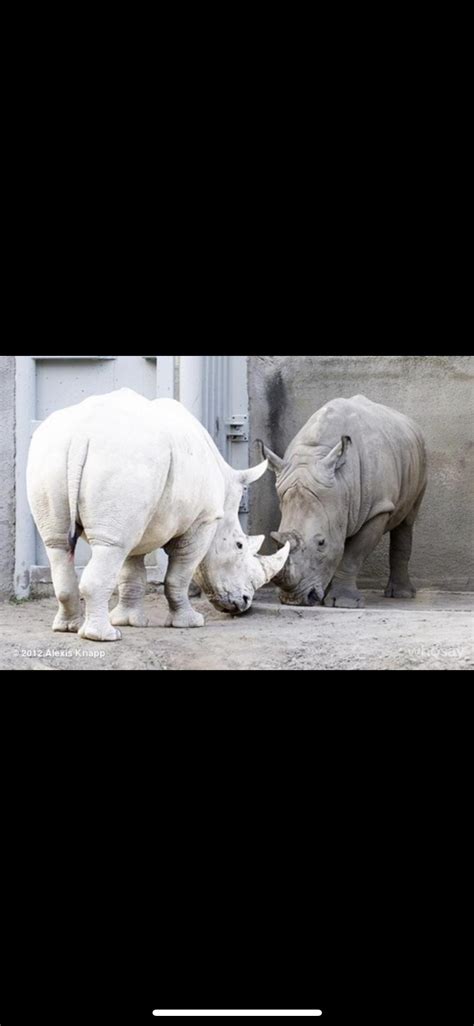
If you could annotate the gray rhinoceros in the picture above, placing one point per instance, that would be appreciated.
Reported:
(135, 475)
(355, 471)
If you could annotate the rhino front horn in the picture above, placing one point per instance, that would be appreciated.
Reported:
(270, 566)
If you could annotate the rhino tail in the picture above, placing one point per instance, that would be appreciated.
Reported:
(76, 462)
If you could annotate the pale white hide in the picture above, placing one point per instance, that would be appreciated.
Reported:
(134, 476)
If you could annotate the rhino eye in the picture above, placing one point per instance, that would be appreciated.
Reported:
(239, 545)
(321, 543)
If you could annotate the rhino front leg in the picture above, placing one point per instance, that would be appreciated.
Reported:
(98, 582)
(130, 611)
(185, 555)
(343, 592)
(66, 589)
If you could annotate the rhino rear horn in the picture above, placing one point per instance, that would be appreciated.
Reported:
(255, 543)
(282, 539)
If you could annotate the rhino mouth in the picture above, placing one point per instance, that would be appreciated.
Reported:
(309, 597)
(235, 607)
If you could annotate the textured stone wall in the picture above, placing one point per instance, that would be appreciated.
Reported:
(7, 474)
(436, 391)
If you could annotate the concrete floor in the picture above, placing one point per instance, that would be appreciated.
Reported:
(435, 631)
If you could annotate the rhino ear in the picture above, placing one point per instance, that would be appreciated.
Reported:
(326, 468)
(248, 477)
(275, 462)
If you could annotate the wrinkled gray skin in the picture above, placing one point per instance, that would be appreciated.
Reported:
(355, 471)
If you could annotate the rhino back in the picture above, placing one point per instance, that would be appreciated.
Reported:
(150, 472)
(165, 469)
(386, 464)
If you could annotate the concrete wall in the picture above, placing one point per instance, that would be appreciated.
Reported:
(437, 391)
(7, 475)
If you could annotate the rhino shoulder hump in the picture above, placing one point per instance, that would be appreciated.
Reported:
(362, 399)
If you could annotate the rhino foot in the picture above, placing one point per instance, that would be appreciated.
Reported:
(400, 591)
(128, 618)
(94, 634)
(341, 596)
(63, 626)
(187, 618)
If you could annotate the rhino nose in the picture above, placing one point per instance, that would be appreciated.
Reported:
(242, 604)
(316, 595)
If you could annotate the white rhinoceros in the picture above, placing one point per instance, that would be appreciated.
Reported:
(132, 476)
(355, 471)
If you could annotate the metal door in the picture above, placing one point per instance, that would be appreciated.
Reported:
(226, 412)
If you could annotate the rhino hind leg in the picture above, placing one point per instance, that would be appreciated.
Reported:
(130, 611)
(98, 582)
(66, 588)
(401, 544)
(401, 541)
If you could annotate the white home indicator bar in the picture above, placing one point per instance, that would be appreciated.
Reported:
(238, 1013)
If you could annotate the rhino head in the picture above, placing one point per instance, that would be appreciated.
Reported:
(314, 515)
(232, 570)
